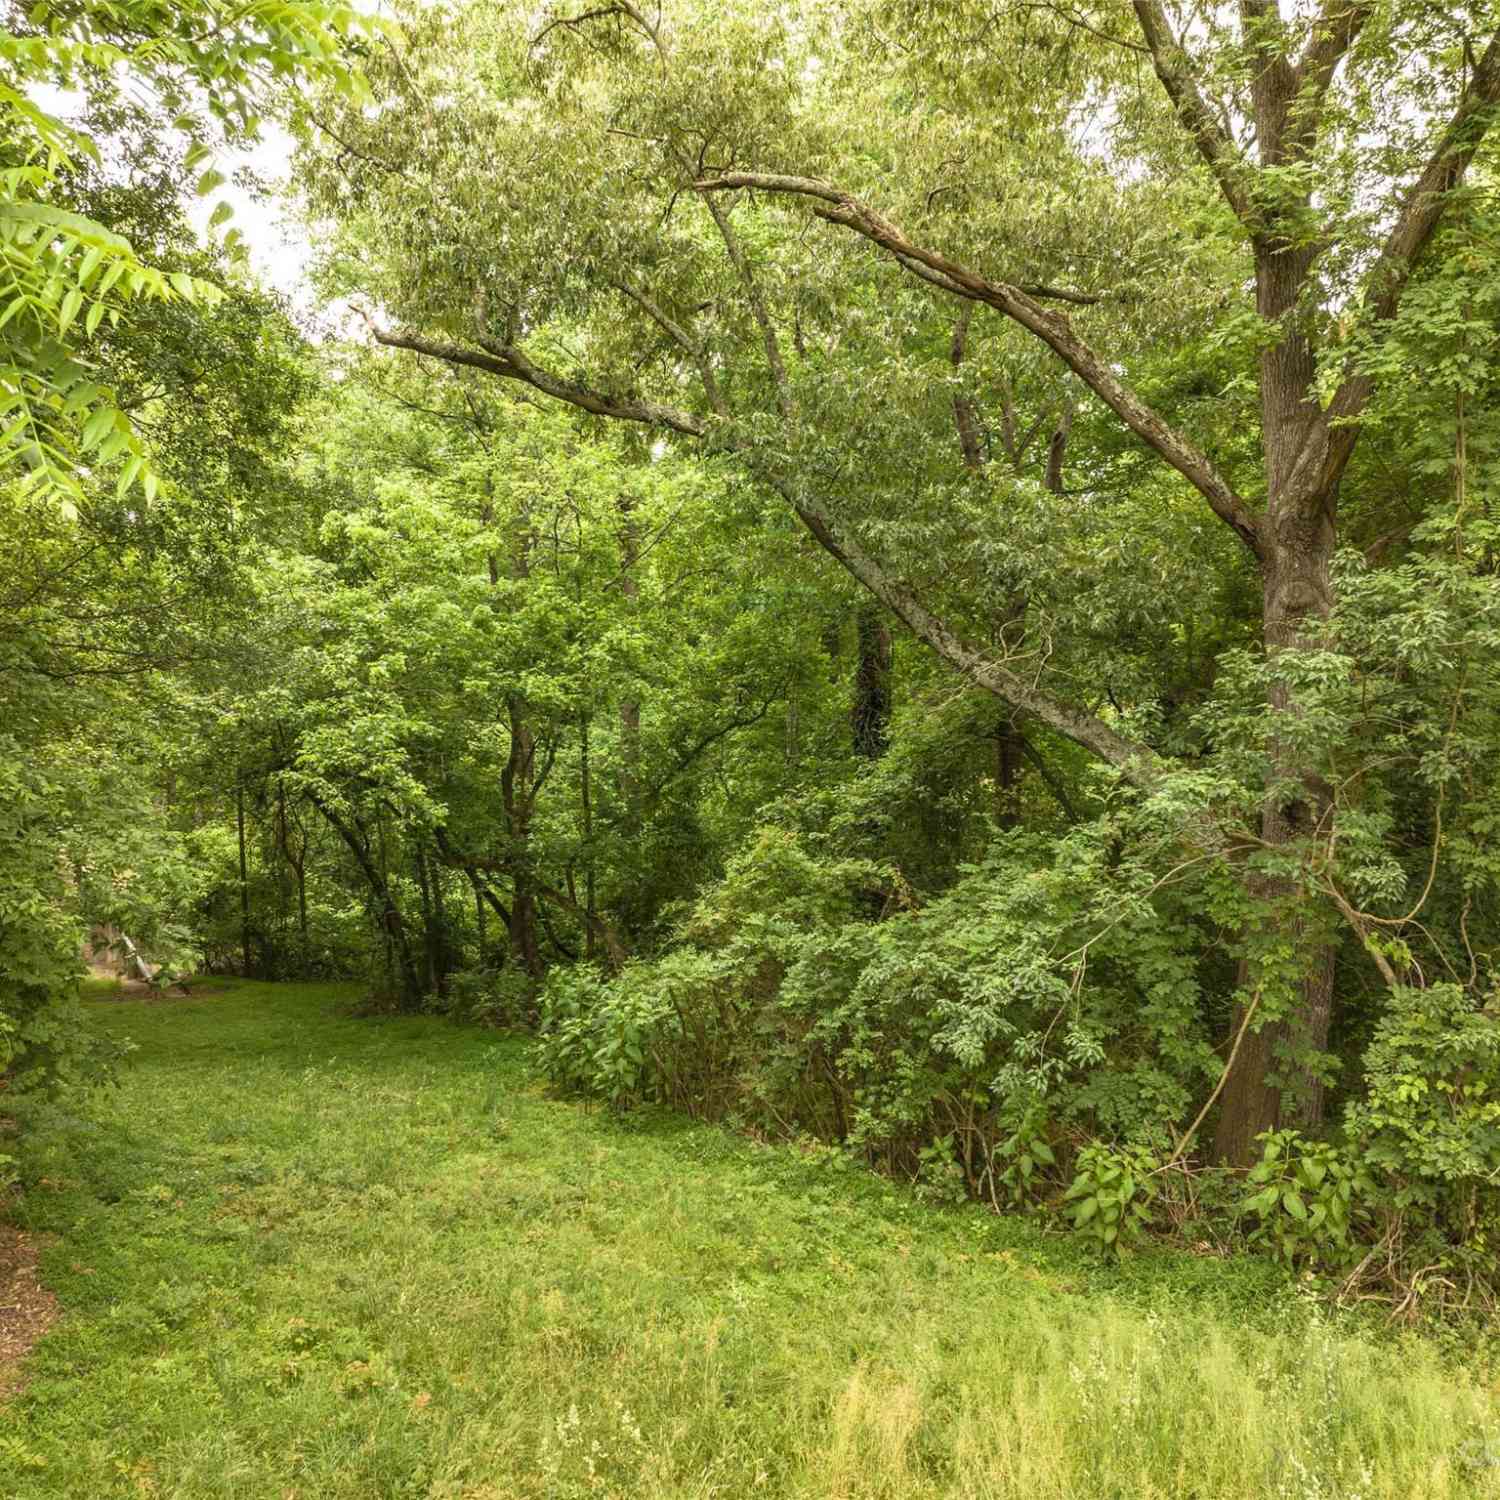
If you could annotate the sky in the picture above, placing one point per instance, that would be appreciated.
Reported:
(277, 245)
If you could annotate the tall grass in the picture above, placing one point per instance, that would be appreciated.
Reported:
(310, 1256)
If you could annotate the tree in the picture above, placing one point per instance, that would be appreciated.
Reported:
(561, 182)
(210, 64)
(114, 599)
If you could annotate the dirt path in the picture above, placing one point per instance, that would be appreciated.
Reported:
(27, 1308)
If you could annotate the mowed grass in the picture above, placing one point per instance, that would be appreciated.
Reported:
(304, 1256)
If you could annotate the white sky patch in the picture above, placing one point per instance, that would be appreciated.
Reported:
(275, 243)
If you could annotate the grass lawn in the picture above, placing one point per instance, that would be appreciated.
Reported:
(308, 1257)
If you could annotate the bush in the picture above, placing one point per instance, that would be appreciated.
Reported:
(812, 996)
(505, 998)
(1427, 1130)
(1033, 1038)
(1305, 1201)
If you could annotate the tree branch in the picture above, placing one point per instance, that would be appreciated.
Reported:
(1052, 781)
(1175, 74)
(506, 361)
(758, 308)
(964, 416)
(1334, 32)
(679, 335)
(1053, 329)
(615, 950)
(1139, 763)
(1416, 222)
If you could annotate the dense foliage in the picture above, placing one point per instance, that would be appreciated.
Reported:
(918, 576)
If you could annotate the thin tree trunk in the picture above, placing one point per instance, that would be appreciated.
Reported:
(871, 715)
(1008, 753)
(440, 912)
(388, 913)
(586, 795)
(429, 928)
(481, 919)
(516, 794)
(630, 708)
(239, 814)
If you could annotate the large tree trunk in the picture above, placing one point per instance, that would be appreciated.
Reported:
(1271, 1085)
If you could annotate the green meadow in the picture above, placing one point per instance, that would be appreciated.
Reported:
(304, 1254)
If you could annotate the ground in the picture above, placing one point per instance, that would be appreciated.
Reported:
(27, 1308)
(306, 1256)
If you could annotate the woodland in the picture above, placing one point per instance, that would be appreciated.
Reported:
(916, 579)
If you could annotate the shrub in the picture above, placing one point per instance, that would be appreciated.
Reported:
(960, 1042)
(492, 997)
(1427, 1130)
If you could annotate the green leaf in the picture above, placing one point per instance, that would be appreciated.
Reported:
(99, 422)
(69, 309)
(133, 466)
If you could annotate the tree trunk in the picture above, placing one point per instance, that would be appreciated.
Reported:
(523, 938)
(388, 913)
(1270, 1088)
(429, 924)
(630, 709)
(443, 954)
(871, 714)
(1008, 752)
(481, 919)
(301, 869)
(239, 816)
(586, 794)
(517, 795)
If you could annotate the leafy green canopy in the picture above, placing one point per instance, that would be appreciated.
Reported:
(64, 273)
